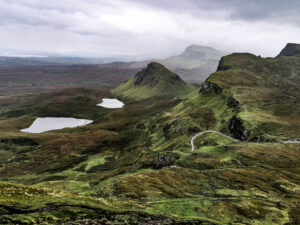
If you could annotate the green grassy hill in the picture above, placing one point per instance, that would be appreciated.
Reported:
(154, 80)
(266, 93)
(248, 97)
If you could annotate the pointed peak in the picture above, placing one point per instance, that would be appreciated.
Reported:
(156, 65)
(154, 80)
(154, 71)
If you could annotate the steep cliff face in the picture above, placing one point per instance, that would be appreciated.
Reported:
(237, 129)
(231, 102)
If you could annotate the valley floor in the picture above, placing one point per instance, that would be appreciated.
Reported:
(129, 168)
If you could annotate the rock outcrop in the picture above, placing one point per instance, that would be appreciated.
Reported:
(207, 86)
(233, 104)
(237, 129)
(164, 160)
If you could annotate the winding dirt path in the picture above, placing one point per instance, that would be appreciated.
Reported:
(210, 131)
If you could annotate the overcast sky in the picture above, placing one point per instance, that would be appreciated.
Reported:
(147, 27)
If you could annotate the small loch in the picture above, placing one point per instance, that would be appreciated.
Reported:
(111, 103)
(44, 124)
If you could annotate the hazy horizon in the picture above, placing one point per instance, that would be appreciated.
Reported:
(149, 29)
(37, 54)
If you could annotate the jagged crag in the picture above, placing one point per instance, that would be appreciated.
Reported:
(135, 165)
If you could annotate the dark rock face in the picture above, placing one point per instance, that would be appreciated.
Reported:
(140, 77)
(221, 65)
(166, 131)
(206, 86)
(175, 77)
(233, 104)
(151, 69)
(164, 160)
(148, 71)
(237, 129)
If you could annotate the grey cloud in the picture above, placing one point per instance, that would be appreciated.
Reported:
(247, 10)
(36, 12)
(157, 27)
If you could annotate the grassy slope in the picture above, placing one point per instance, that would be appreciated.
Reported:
(220, 182)
(144, 91)
(114, 160)
(20, 204)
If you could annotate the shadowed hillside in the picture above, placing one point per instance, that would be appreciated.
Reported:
(291, 49)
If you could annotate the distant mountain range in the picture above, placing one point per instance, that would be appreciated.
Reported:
(28, 60)
(194, 64)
